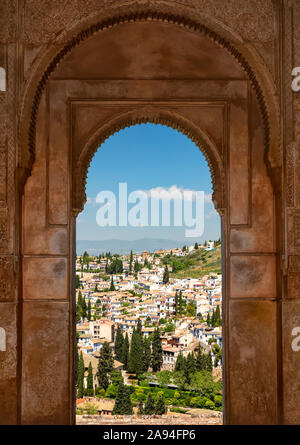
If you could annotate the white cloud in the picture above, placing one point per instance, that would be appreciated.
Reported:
(162, 192)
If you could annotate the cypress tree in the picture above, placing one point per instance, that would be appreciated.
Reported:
(213, 319)
(199, 362)
(160, 406)
(118, 408)
(89, 311)
(79, 310)
(146, 353)
(189, 367)
(136, 354)
(130, 262)
(139, 327)
(166, 275)
(123, 403)
(127, 405)
(119, 344)
(80, 377)
(125, 352)
(208, 320)
(105, 366)
(179, 365)
(150, 405)
(90, 385)
(157, 354)
(181, 302)
(218, 316)
(112, 286)
(136, 267)
(209, 365)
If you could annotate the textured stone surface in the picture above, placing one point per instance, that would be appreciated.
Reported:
(8, 368)
(253, 276)
(45, 278)
(291, 362)
(253, 359)
(45, 367)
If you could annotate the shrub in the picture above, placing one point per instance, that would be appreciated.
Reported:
(100, 392)
(218, 400)
(201, 402)
(178, 410)
(90, 409)
(111, 391)
(209, 404)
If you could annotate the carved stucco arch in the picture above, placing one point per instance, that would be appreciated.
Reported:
(156, 116)
(247, 57)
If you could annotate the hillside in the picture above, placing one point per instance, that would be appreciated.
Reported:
(196, 264)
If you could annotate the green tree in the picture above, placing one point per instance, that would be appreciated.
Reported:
(112, 286)
(137, 267)
(191, 309)
(105, 365)
(89, 384)
(160, 406)
(150, 405)
(130, 262)
(218, 354)
(189, 367)
(218, 319)
(80, 377)
(146, 353)
(139, 327)
(79, 309)
(127, 405)
(208, 322)
(179, 365)
(77, 282)
(209, 365)
(119, 344)
(199, 362)
(157, 354)
(166, 275)
(125, 351)
(123, 403)
(89, 311)
(196, 246)
(136, 354)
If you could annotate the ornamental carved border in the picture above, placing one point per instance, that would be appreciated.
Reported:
(265, 92)
(154, 115)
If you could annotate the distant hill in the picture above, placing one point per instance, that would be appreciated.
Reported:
(196, 264)
(125, 246)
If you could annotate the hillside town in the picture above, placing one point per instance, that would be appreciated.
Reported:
(143, 323)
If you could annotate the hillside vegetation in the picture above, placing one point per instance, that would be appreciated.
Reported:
(196, 264)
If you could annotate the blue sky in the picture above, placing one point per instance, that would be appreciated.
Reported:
(146, 156)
